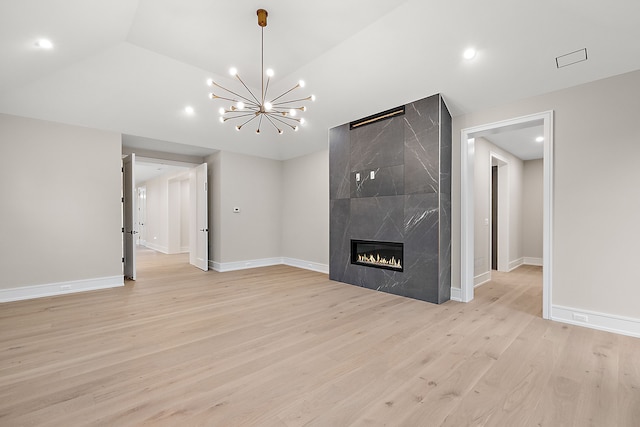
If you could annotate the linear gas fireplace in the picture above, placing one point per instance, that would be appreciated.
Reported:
(387, 255)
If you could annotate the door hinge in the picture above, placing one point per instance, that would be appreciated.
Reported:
(123, 200)
(122, 259)
(122, 169)
(123, 229)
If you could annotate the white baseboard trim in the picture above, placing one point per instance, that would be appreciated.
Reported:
(222, 267)
(515, 263)
(456, 294)
(481, 279)
(604, 322)
(533, 261)
(307, 265)
(61, 288)
(158, 248)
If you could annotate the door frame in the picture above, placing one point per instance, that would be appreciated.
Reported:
(467, 154)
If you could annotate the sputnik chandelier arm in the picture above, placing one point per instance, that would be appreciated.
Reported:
(248, 107)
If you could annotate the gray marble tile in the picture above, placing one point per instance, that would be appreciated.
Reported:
(378, 145)
(408, 202)
(444, 281)
(339, 238)
(446, 142)
(387, 181)
(339, 152)
(422, 151)
(377, 218)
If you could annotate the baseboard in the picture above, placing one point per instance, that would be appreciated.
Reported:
(61, 288)
(601, 321)
(158, 248)
(532, 261)
(222, 267)
(481, 279)
(307, 265)
(515, 264)
(456, 294)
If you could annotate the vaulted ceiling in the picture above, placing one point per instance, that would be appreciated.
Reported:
(133, 66)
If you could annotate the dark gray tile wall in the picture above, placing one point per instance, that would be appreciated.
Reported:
(409, 200)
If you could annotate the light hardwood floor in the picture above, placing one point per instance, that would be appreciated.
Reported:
(280, 346)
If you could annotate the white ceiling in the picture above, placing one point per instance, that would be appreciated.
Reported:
(132, 66)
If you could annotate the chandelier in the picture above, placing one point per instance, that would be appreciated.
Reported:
(280, 111)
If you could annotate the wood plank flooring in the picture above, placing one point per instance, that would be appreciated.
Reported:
(280, 346)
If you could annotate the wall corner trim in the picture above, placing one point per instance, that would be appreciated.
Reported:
(481, 279)
(60, 288)
(516, 263)
(595, 320)
(456, 294)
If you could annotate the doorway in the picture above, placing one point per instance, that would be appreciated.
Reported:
(467, 146)
(169, 209)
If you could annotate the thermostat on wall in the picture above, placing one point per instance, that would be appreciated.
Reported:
(236, 210)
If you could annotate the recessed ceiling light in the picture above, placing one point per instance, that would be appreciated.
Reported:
(189, 109)
(44, 44)
(539, 139)
(470, 53)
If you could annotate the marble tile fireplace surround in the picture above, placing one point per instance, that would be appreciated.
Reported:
(390, 201)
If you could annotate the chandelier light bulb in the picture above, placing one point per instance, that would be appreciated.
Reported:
(302, 121)
(313, 97)
(222, 111)
(301, 83)
(269, 72)
(295, 128)
(233, 71)
(211, 96)
(240, 105)
(267, 106)
(238, 128)
(221, 119)
(292, 112)
(209, 82)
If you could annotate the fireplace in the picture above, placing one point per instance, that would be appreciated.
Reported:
(386, 255)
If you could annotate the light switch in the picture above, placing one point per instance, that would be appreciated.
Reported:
(372, 175)
(358, 176)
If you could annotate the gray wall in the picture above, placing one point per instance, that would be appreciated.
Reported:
(482, 206)
(532, 201)
(305, 209)
(596, 203)
(61, 211)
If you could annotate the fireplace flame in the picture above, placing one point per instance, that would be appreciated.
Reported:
(377, 260)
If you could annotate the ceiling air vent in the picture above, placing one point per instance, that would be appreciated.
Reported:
(399, 111)
(571, 58)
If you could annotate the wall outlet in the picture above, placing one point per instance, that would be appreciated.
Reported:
(581, 317)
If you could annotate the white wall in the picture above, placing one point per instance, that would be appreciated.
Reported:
(596, 203)
(482, 206)
(60, 219)
(167, 213)
(305, 208)
(532, 208)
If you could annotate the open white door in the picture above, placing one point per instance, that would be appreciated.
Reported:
(199, 235)
(128, 216)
